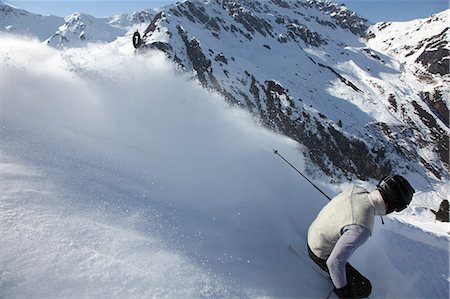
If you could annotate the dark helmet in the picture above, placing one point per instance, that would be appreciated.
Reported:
(396, 192)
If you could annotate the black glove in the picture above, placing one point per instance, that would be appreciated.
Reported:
(345, 292)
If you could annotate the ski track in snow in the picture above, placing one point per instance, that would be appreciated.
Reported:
(114, 184)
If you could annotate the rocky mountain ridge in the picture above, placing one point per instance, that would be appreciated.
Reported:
(425, 56)
(284, 61)
(79, 29)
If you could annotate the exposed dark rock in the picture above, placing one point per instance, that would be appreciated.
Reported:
(201, 16)
(372, 54)
(384, 25)
(304, 33)
(175, 12)
(255, 91)
(369, 35)
(430, 168)
(141, 17)
(197, 12)
(199, 62)
(344, 80)
(281, 3)
(437, 104)
(436, 61)
(393, 102)
(280, 20)
(186, 13)
(345, 18)
(436, 56)
(152, 27)
(312, 60)
(443, 212)
(220, 57)
(325, 23)
(164, 47)
(389, 136)
(247, 19)
(249, 104)
(282, 38)
(437, 133)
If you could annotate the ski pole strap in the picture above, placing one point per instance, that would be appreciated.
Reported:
(277, 153)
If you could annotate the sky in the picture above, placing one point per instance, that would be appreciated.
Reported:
(373, 10)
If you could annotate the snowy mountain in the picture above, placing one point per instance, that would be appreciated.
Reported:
(75, 30)
(131, 19)
(302, 69)
(422, 43)
(80, 29)
(422, 47)
(19, 21)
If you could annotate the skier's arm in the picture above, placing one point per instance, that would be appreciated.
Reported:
(353, 236)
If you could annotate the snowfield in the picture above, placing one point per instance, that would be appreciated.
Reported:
(120, 177)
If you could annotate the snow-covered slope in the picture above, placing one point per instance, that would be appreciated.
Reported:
(423, 41)
(302, 69)
(114, 184)
(22, 22)
(422, 47)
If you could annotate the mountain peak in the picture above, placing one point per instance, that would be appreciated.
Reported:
(76, 16)
(79, 29)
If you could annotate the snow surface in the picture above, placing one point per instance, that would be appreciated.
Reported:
(115, 184)
(19, 21)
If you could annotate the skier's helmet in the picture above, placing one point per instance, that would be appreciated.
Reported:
(396, 192)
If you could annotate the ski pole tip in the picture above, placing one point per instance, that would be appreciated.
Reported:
(275, 151)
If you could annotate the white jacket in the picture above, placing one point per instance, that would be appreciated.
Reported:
(353, 206)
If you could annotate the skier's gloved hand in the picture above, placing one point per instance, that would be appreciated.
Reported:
(345, 292)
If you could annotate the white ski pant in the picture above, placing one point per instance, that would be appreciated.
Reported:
(353, 236)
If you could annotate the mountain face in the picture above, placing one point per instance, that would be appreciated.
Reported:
(79, 29)
(364, 100)
(303, 69)
(424, 52)
(131, 19)
(425, 44)
(22, 22)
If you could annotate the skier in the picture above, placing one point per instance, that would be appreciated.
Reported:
(345, 223)
(137, 41)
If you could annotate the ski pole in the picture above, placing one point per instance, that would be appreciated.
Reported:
(277, 153)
